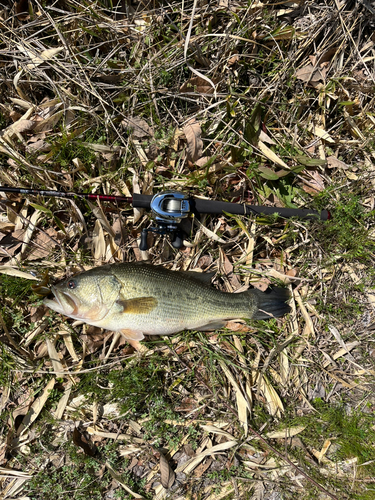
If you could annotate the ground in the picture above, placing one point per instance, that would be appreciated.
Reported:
(267, 104)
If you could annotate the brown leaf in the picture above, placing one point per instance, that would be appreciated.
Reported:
(262, 284)
(87, 446)
(11, 242)
(22, 126)
(189, 450)
(333, 162)
(167, 475)
(43, 244)
(39, 146)
(22, 9)
(314, 184)
(204, 262)
(6, 227)
(198, 84)
(94, 338)
(14, 116)
(292, 272)
(193, 131)
(233, 60)
(49, 123)
(236, 326)
(137, 127)
(310, 74)
(325, 57)
(202, 161)
(228, 270)
(201, 469)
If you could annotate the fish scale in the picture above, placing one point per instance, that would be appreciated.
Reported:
(139, 299)
(183, 300)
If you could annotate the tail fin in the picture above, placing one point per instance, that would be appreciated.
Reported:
(272, 303)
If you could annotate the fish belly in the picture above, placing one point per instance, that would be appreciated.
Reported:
(183, 302)
(174, 316)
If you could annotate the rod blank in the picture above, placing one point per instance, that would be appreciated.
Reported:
(197, 205)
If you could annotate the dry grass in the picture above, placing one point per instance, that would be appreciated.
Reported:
(269, 104)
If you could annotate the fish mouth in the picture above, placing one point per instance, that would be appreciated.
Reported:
(62, 303)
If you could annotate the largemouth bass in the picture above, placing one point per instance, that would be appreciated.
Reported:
(139, 299)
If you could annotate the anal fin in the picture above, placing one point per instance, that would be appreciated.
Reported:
(131, 335)
(213, 325)
(134, 339)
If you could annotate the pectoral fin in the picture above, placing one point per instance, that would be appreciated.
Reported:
(140, 305)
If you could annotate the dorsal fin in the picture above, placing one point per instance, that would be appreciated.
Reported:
(205, 278)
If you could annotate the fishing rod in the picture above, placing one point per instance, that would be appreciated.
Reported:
(168, 208)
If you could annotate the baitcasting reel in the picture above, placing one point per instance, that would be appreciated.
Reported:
(168, 209)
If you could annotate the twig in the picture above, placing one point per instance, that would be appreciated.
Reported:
(259, 436)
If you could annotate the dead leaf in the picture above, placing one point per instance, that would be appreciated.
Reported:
(94, 338)
(11, 242)
(49, 123)
(6, 227)
(22, 9)
(167, 476)
(268, 153)
(333, 162)
(324, 57)
(191, 464)
(87, 446)
(320, 132)
(188, 449)
(273, 402)
(43, 244)
(310, 74)
(236, 326)
(193, 131)
(233, 60)
(202, 161)
(204, 262)
(43, 56)
(118, 478)
(20, 126)
(36, 408)
(262, 284)
(137, 127)
(201, 469)
(198, 84)
(227, 267)
(313, 185)
(99, 245)
(286, 433)
(38, 146)
(265, 138)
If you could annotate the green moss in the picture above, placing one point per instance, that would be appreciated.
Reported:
(15, 289)
(346, 233)
(80, 477)
(352, 435)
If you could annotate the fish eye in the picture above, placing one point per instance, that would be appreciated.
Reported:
(72, 284)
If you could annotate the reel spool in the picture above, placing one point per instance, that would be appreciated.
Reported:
(168, 209)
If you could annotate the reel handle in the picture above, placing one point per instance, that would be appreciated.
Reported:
(177, 240)
(143, 244)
